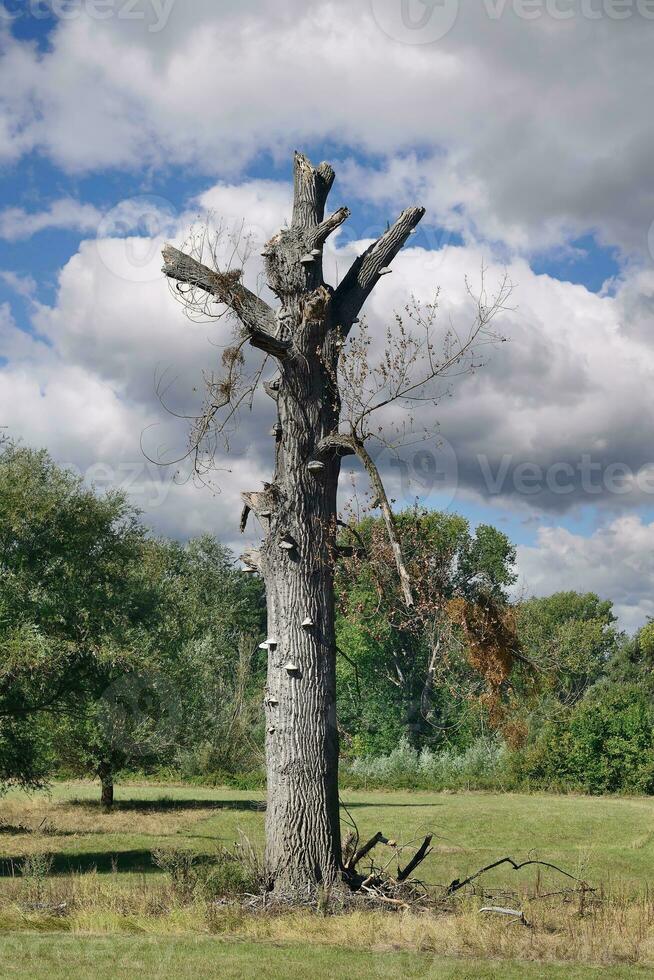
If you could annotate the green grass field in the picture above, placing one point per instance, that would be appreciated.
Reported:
(607, 841)
(107, 958)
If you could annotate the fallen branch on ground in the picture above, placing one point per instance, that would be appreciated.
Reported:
(456, 885)
(516, 913)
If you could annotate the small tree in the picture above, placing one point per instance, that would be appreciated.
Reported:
(306, 336)
(71, 599)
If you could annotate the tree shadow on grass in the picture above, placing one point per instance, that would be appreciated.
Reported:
(369, 804)
(103, 862)
(166, 804)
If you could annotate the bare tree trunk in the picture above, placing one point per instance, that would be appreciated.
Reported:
(107, 786)
(302, 819)
(298, 513)
(297, 556)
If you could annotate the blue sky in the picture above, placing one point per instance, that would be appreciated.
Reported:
(528, 143)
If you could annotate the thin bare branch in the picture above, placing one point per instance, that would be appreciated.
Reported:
(357, 447)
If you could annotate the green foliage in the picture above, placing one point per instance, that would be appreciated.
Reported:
(71, 597)
(385, 687)
(571, 637)
(194, 699)
(215, 620)
(646, 640)
(115, 649)
(222, 875)
(35, 869)
(24, 753)
(122, 652)
(633, 660)
(604, 745)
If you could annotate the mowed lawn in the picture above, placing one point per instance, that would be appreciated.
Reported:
(606, 841)
(125, 931)
(108, 958)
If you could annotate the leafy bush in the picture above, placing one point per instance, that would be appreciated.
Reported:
(180, 865)
(227, 876)
(483, 765)
(605, 745)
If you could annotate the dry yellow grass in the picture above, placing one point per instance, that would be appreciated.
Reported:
(38, 823)
(612, 930)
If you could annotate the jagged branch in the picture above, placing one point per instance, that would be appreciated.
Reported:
(349, 443)
(311, 189)
(417, 858)
(365, 272)
(359, 854)
(255, 315)
(329, 225)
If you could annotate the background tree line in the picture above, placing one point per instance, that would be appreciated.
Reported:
(121, 652)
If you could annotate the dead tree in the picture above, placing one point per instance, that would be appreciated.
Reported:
(297, 509)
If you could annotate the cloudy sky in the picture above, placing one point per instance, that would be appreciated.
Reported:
(523, 126)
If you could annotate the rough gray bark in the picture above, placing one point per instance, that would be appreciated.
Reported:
(298, 512)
